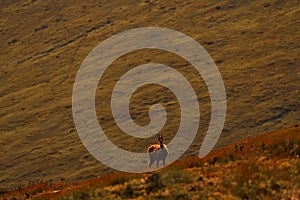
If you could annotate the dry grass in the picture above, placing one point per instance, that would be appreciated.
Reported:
(254, 43)
(269, 171)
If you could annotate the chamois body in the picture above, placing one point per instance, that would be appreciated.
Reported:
(157, 152)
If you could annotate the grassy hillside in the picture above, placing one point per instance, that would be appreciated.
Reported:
(254, 43)
(264, 167)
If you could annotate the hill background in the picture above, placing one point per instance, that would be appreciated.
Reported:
(255, 45)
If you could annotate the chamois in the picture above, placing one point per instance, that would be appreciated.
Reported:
(157, 152)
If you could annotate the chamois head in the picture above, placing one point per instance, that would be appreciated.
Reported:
(160, 138)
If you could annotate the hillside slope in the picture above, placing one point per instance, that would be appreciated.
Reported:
(254, 43)
(264, 167)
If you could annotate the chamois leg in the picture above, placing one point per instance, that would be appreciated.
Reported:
(164, 162)
(151, 162)
(157, 163)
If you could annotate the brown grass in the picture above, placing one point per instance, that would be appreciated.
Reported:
(254, 43)
(253, 174)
